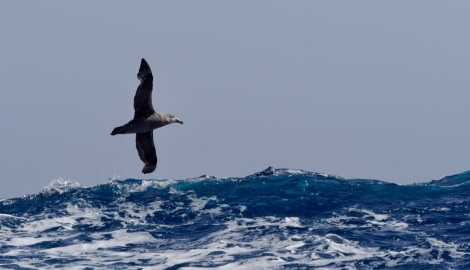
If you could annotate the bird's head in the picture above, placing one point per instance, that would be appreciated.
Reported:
(174, 119)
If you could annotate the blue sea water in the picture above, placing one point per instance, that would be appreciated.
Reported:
(274, 219)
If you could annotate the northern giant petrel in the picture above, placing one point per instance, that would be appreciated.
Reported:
(145, 120)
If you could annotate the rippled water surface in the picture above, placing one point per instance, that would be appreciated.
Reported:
(275, 219)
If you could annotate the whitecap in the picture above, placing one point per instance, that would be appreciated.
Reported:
(61, 185)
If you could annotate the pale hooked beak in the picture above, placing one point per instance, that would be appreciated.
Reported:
(177, 120)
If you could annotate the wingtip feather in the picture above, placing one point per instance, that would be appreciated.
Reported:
(144, 70)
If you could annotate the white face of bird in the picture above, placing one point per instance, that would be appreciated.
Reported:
(174, 119)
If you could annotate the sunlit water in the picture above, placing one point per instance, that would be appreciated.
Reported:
(275, 219)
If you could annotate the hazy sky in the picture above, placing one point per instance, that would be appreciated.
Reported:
(359, 89)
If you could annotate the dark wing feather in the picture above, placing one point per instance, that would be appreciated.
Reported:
(146, 150)
(143, 96)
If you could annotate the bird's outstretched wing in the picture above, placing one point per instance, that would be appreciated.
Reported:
(146, 150)
(143, 96)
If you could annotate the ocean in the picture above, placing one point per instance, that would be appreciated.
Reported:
(274, 219)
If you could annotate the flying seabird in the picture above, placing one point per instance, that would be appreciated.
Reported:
(145, 120)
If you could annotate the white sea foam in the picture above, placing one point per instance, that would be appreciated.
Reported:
(290, 241)
(10, 216)
(61, 185)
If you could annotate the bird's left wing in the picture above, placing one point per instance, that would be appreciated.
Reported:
(143, 96)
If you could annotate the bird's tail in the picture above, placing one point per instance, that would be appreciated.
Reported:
(144, 70)
(117, 130)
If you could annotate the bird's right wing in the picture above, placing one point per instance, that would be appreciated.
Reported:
(146, 149)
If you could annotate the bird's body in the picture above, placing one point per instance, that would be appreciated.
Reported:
(145, 120)
(143, 124)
